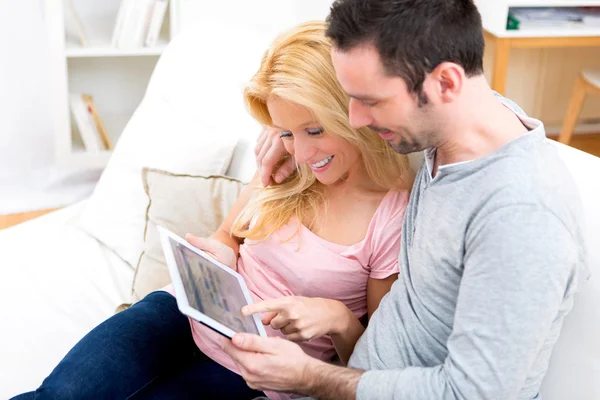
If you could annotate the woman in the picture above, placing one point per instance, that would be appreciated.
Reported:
(326, 241)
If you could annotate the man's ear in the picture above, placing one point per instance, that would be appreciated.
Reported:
(448, 78)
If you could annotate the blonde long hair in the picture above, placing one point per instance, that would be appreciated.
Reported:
(298, 68)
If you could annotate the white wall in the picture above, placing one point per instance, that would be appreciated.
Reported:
(26, 142)
(28, 178)
(269, 16)
(540, 80)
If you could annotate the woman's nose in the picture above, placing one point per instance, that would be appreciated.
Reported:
(303, 150)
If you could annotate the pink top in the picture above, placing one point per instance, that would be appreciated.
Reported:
(310, 266)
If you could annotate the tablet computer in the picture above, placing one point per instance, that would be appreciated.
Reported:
(206, 289)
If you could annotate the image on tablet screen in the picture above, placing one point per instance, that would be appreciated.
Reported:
(212, 291)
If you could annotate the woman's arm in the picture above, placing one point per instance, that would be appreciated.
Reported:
(306, 318)
(376, 289)
(345, 338)
(223, 234)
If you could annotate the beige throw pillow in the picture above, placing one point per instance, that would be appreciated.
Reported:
(182, 204)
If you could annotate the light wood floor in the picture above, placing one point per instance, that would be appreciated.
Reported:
(14, 219)
(588, 143)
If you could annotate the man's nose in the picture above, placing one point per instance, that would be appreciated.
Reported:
(358, 114)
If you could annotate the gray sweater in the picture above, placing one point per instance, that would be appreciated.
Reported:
(492, 254)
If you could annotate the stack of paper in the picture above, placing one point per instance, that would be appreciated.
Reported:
(591, 16)
(543, 17)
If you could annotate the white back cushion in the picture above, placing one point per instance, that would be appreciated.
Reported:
(188, 123)
(575, 364)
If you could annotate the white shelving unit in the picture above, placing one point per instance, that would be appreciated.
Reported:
(494, 14)
(116, 78)
(112, 52)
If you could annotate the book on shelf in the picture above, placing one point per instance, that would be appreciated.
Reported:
(91, 129)
(139, 23)
(77, 22)
(100, 128)
(156, 22)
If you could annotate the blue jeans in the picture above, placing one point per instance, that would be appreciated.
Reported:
(144, 352)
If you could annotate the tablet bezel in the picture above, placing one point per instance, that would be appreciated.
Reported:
(180, 295)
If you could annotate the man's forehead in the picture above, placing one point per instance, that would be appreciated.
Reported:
(362, 57)
(359, 70)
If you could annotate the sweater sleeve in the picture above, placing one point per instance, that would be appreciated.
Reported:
(519, 268)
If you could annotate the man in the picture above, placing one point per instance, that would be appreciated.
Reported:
(492, 247)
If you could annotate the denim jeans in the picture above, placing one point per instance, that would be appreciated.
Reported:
(144, 352)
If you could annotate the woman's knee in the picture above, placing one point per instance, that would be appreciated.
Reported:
(126, 351)
(157, 311)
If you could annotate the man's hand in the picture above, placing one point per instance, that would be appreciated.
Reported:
(269, 151)
(280, 365)
(302, 318)
(215, 248)
(269, 363)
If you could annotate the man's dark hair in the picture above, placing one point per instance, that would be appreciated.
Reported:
(412, 37)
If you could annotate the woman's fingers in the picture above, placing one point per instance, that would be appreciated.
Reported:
(289, 329)
(271, 305)
(299, 336)
(217, 249)
(267, 318)
(280, 321)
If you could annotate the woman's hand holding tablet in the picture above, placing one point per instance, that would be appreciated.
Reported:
(206, 289)
(218, 250)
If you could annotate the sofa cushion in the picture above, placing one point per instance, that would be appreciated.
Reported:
(189, 122)
(204, 80)
(575, 363)
(183, 204)
(157, 136)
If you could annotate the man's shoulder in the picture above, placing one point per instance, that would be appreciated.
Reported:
(529, 168)
(541, 183)
(510, 104)
(528, 172)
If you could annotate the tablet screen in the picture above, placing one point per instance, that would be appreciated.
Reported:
(211, 290)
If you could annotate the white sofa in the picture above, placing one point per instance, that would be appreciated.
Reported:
(57, 281)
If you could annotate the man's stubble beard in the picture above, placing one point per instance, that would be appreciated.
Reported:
(404, 147)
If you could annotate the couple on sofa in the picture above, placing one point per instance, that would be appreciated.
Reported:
(462, 288)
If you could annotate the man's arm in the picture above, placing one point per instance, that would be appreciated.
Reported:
(519, 274)
(281, 365)
(329, 382)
